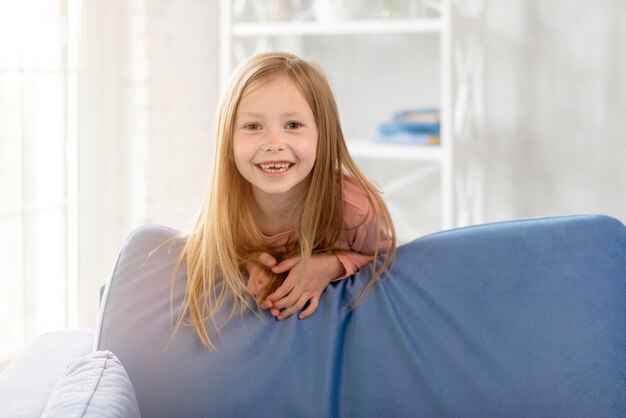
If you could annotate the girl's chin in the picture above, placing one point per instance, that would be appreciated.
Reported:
(286, 188)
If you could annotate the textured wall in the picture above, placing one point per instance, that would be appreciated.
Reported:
(554, 136)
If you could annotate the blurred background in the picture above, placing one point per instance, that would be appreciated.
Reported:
(463, 112)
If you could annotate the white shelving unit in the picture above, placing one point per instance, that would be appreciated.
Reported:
(440, 157)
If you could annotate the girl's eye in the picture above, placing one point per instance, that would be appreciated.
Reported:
(293, 125)
(252, 126)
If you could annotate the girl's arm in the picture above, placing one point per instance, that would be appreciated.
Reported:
(359, 240)
(352, 262)
(300, 288)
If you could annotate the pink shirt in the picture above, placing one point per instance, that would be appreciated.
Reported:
(357, 241)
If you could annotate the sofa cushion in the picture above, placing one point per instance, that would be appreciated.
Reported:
(94, 385)
(27, 382)
(522, 318)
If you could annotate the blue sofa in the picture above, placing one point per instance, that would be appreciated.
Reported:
(516, 319)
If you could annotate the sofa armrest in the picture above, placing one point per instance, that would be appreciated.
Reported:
(27, 382)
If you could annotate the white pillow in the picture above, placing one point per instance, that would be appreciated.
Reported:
(95, 385)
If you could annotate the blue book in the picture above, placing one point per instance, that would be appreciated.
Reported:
(413, 126)
(405, 138)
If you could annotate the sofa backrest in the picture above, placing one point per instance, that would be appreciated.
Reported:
(521, 318)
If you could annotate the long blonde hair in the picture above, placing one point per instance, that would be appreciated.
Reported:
(225, 236)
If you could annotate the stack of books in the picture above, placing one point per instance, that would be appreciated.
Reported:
(411, 127)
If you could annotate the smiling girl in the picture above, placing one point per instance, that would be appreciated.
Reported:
(285, 199)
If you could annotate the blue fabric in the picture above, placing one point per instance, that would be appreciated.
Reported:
(522, 318)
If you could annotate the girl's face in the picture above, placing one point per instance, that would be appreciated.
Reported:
(275, 139)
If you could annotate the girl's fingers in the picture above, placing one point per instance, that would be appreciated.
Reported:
(282, 291)
(256, 279)
(302, 300)
(286, 265)
(266, 259)
(283, 303)
(313, 303)
(285, 296)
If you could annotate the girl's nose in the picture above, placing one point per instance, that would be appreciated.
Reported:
(274, 142)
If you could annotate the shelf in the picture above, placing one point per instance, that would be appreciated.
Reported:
(349, 27)
(362, 149)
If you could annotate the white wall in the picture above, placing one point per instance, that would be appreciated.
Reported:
(180, 88)
(555, 99)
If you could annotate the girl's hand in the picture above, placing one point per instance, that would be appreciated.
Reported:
(301, 287)
(258, 276)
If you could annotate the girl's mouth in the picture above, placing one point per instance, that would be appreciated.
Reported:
(274, 168)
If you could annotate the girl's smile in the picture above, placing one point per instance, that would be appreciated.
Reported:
(275, 168)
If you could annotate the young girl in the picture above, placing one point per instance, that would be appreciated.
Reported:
(285, 200)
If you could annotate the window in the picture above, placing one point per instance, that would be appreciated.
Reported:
(38, 169)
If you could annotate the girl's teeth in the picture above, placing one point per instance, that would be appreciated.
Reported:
(275, 168)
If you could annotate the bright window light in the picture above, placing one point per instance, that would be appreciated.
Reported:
(38, 160)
